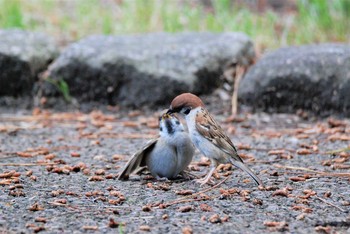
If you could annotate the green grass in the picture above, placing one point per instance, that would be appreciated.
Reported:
(62, 87)
(315, 20)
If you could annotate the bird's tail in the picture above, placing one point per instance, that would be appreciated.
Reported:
(246, 169)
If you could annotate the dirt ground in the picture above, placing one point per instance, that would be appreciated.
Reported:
(58, 175)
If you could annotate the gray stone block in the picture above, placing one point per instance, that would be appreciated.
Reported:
(310, 77)
(23, 55)
(147, 69)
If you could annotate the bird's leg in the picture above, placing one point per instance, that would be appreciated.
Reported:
(188, 175)
(207, 179)
(164, 179)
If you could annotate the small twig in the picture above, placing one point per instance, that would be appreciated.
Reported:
(26, 164)
(334, 174)
(203, 191)
(331, 204)
(296, 168)
(321, 173)
(127, 135)
(265, 161)
(338, 150)
(191, 200)
(234, 101)
(188, 198)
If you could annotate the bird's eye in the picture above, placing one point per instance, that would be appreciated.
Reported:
(187, 111)
(177, 122)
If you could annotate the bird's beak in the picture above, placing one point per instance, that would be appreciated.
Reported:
(170, 111)
(166, 116)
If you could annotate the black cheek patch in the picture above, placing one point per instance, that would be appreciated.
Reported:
(169, 127)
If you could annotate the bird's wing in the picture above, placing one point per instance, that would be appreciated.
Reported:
(137, 160)
(211, 130)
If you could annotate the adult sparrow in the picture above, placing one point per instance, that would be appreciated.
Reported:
(207, 135)
(166, 156)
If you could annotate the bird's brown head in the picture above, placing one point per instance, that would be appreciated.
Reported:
(184, 103)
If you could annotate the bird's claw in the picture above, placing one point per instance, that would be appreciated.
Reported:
(204, 181)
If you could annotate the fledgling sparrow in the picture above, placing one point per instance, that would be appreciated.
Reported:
(207, 135)
(166, 156)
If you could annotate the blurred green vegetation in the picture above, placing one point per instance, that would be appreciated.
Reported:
(311, 21)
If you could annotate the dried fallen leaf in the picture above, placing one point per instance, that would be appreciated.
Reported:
(75, 154)
(241, 146)
(115, 201)
(336, 123)
(162, 206)
(339, 137)
(50, 156)
(71, 193)
(215, 219)
(297, 179)
(193, 167)
(281, 192)
(327, 194)
(17, 193)
(302, 208)
(130, 124)
(146, 208)
(40, 219)
(100, 172)
(257, 201)
(117, 157)
(24, 154)
(323, 229)
(56, 193)
(86, 171)
(276, 152)
(61, 201)
(38, 229)
(134, 113)
(152, 124)
(275, 224)
(184, 209)
(7, 174)
(301, 217)
(90, 228)
(96, 178)
(145, 228)
(225, 218)
(205, 207)
(110, 176)
(302, 136)
(112, 223)
(29, 173)
(187, 230)
(224, 167)
(35, 207)
(5, 182)
(184, 192)
(304, 151)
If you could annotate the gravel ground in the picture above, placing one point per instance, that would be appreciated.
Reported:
(58, 170)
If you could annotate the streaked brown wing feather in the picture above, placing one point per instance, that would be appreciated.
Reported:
(137, 160)
(211, 130)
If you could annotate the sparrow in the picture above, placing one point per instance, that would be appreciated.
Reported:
(207, 135)
(166, 156)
